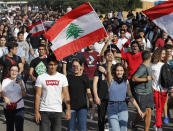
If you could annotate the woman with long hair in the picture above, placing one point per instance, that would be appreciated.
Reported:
(160, 94)
(13, 91)
(119, 88)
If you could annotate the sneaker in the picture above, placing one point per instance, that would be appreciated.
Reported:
(155, 128)
(166, 120)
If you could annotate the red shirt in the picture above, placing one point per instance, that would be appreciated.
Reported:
(160, 42)
(133, 61)
(90, 64)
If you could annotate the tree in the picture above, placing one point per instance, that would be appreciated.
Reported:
(73, 30)
(102, 6)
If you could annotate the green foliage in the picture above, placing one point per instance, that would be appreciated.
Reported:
(73, 30)
(102, 6)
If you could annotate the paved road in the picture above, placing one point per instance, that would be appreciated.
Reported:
(29, 124)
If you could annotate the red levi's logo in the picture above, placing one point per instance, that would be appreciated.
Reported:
(52, 82)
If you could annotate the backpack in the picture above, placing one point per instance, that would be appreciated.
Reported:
(166, 76)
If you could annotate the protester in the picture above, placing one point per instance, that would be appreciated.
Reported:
(13, 91)
(168, 104)
(10, 59)
(38, 65)
(160, 94)
(48, 101)
(127, 38)
(143, 89)
(78, 89)
(118, 88)
(100, 90)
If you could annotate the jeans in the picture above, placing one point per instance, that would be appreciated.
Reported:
(50, 121)
(14, 117)
(81, 116)
(118, 116)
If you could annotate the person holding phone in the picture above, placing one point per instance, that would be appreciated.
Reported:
(12, 91)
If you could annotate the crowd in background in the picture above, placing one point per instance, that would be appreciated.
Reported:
(125, 66)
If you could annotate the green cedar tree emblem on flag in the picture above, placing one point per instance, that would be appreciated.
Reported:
(73, 30)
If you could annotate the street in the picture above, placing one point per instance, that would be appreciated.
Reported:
(29, 123)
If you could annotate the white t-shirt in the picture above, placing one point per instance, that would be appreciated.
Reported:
(3, 51)
(52, 85)
(147, 43)
(99, 46)
(12, 90)
(156, 68)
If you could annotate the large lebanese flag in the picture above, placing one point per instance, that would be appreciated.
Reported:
(74, 31)
(162, 16)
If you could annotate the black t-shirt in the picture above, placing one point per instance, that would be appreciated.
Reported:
(6, 62)
(77, 90)
(102, 86)
(39, 65)
(68, 60)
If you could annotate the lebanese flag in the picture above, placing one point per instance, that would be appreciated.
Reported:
(40, 27)
(162, 16)
(74, 31)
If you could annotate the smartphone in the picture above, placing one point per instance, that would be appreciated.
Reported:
(19, 77)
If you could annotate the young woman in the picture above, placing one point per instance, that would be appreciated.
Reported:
(160, 94)
(118, 88)
(78, 89)
(13, 91)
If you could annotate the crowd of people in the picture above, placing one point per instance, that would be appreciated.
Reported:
(126, 66)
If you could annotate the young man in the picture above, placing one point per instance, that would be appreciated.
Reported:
(169, 57)
(27, 49)
(143, 88)
(48, 100)
(10, 59)
(38, 65)
(133, 60)
(100, 90)
(91, 60)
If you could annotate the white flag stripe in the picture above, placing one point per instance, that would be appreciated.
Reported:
(165, 23)
(48, 23)
(88, 23)
(37, 28)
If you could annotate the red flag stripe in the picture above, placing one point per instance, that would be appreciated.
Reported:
(67, 19)
(34, 24)
(79, 44)
(159, 10)
(38, 33)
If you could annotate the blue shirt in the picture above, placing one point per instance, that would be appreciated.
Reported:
(117, 92)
